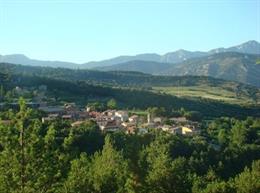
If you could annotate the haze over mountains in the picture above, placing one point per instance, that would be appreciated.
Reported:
(250, 47)
(238, 63)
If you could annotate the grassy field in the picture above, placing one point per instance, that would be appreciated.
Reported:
(138, 112)
(224, 94)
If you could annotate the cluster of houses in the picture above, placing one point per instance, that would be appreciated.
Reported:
(119, 120)
(108, 121)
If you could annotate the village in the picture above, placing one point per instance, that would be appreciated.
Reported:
(110, 120)
(120, 120)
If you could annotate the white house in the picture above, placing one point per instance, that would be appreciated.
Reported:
(122, 114)
(134, 119)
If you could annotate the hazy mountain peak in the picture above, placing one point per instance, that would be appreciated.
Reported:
(249, 47)
(14, 58)
(251, 42)
(20, 56)
(182, 51)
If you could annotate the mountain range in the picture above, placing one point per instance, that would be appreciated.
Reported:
(228, 66)
(237, 63)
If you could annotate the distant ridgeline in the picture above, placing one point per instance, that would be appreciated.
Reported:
(82, 86)
(232, 66)
(116, 78)
(238, 63)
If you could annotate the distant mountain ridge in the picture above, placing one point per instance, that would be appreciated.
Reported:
(238, 63)
(250, 47)
(143, 66)
(24, 60)
(233, 66)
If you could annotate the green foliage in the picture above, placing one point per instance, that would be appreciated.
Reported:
(249, 180)
(163, 174)
(238, 133)
(112, 104)
(96, 106)
(128, 89)
(79, 176)
(222, 137)
(110, 170)
(156, 111)
(193, 116)
(4, 76)
(106, 172)
(55, 157)
(31, 157)
(85, 138)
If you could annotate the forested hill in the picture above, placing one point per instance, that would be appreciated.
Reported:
(119, 79)
(232, 66)
(82, 93)
(115, 78)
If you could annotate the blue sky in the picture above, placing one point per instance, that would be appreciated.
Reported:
(85, 30)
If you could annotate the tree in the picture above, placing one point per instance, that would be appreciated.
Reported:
(156, 111)
(85, 138)
(110, 172)
(158, 178)
(2, 92)
(96, 106)
(164, 175)
(239, 133)
(193, 115)
(4, 76)
(249, 180)
(222, 137)
(112, 104)
(79, 176)
(31, 159)
(210, 183)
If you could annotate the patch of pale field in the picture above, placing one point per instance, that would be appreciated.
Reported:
(214, 93)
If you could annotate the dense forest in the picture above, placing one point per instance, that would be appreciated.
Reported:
(54, 157)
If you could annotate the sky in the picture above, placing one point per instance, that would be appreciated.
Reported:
(87, 30)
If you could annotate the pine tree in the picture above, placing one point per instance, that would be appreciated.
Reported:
(249, 180)
(110, 172)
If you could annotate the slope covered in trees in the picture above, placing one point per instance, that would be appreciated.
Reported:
(240, 92)
(82, 93)
(53, 157)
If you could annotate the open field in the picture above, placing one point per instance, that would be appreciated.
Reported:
(215, 93)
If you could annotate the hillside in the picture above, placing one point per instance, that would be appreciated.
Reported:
(227, 65)
(82, 93)
(138, 66)
(190, 86)
(181, 55)
(24, 60)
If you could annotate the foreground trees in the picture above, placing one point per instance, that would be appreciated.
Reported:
(56, 157)
(32, 158)
(106, 171)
